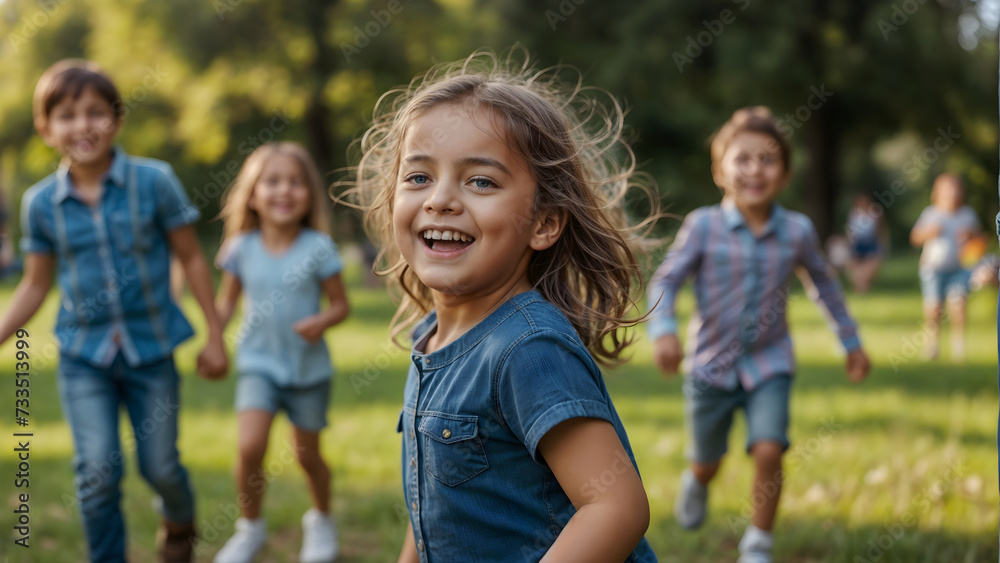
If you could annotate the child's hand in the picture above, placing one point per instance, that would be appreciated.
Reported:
(667, 353)
(963, 236)
(310, 328)
(212, 361)
(857, 365)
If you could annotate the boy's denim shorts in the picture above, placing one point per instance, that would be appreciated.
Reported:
(305, 406)
(937, 286)
(709, 412)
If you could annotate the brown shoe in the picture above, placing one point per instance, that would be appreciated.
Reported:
(175, 543)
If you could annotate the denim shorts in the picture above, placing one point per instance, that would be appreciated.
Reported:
(709, 412)
(936, 286)
(305, 406)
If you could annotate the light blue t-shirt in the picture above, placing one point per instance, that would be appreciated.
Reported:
(278, 291)
(943, 253)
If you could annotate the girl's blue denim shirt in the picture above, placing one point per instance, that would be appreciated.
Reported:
(476, 487)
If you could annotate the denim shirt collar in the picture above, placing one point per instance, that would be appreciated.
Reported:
(734, 218)
(470, 339)
(116, 174)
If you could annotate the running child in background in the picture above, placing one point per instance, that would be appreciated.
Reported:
(104, 224)
(942, 229)
(277, 252)
(496, 210)
(864, 231)
(742, 254)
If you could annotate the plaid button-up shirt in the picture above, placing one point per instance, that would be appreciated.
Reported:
(740, 332)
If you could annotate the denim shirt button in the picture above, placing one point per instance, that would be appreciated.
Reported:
(446, 433)
(413, 505)
(413, 462)
(427, 361)
(420, 545)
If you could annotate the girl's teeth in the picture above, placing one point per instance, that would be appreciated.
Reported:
(446, 235)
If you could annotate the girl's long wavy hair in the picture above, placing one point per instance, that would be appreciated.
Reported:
(236, 213)
(574, 147)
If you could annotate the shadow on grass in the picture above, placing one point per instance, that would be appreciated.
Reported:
(372, 523)
(822, 541)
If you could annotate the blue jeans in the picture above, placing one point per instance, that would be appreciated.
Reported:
(91, 398)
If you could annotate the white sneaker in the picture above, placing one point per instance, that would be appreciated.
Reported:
(245, 544)
(319, 538)
(691, 505)
(755, 546)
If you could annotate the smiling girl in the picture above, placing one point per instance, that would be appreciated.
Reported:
(277, 253)
(496, 203)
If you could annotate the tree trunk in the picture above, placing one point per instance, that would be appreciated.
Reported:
(823, 174)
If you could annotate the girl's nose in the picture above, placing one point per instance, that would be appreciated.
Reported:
(443, 198)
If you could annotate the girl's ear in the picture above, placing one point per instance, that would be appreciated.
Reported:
(547, 228)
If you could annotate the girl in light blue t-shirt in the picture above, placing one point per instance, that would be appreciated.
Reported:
(942, 230)
(277, 254)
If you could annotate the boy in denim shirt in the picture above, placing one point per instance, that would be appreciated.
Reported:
(105, 223)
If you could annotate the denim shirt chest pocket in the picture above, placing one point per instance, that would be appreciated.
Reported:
(453, 450)
(130, 234)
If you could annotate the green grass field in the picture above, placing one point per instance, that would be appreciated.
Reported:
(901, 468)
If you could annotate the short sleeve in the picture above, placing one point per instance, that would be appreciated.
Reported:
(35, 238)
(328, 259)
(925, 219)
(548, 379)
(969, 219)
(229, 255)
(173, 208)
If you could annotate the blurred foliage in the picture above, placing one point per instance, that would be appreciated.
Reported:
(205, 81)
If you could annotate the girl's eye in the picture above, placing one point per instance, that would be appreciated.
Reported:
(482, 183)
(418, 179)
